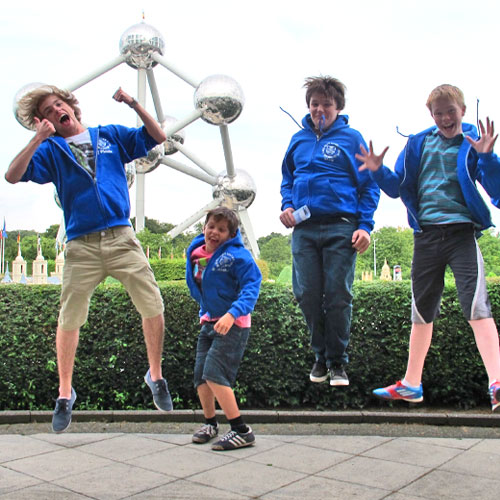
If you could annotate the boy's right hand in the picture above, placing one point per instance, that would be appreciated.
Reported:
(44, 129)
(370, 161)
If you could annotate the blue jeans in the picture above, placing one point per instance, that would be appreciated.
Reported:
(323, 272)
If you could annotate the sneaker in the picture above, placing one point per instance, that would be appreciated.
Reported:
(161, 396)
(232, 440)
(205, 433)
(338, 376)
(62, 413)
(495, 395)
(319, 372)
(398, 391)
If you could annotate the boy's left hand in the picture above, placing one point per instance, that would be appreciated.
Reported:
(487, 140)
(224, 324)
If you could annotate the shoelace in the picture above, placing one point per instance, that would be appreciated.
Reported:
(61, 405)
(160, 384)
(229, 435)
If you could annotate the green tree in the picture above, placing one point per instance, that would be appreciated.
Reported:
(276, 251)
(489, 243)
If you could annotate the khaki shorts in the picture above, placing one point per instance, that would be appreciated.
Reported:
(90, 258)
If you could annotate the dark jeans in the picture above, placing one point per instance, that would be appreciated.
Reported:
(323, 272)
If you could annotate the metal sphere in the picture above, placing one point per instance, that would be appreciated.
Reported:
(19, 95)
(179, 136)
(220, 98)
(130, 173)
(237, 192)
(138, 43)
(151, 161)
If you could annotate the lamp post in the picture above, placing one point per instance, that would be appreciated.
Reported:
(374, 258)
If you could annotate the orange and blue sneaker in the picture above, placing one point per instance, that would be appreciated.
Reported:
(495, 395)
(401, 392)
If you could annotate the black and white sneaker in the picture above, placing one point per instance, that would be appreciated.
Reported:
(232, 440)
(319, 372)
(205, 433)
(338, 376)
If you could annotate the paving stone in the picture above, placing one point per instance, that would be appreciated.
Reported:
(443, 485)
(73, 440)
(247, 478)
(462, 444)
(346, 444)
(114, 481)
(374, 472)
(11, 480)
(475, 463)
(181, 461)
(424, 454)
(58, 464)
(319, 487)
(13, 447)
(296, 457)
(44, 491)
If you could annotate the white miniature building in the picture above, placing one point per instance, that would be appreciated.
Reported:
(58, 273)
(19, 268)
(40, 267)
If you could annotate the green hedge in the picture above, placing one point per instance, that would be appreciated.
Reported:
(111, 358)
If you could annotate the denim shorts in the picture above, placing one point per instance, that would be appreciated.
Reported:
(218, 357)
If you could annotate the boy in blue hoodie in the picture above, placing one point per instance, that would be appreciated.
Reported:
(86, 165)
(224, 279)
(320, 171)
(436, 176)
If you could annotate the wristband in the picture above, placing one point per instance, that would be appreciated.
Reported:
(133, 103)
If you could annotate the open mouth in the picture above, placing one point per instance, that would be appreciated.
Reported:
(64, 119)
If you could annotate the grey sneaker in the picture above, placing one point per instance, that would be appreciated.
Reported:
(319, 372)
(161, 396)
(62, 413)
(338, 376)
(205, 433)
(232, 440)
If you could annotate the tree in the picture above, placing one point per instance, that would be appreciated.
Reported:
(276, 251)
(489, 243)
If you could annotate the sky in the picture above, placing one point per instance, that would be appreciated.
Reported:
(390, 54)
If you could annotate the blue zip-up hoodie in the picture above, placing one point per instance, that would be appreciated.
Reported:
(471, 166)
(310, 174)
(230, 282)
(90, 204)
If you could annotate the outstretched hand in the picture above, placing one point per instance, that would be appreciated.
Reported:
(44, 129)
(370, 160)
(487, 140)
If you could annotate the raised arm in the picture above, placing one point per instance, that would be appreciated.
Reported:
(18, 166)
(152, 126)
(487, 140)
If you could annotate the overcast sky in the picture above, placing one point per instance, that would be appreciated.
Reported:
(390, 54)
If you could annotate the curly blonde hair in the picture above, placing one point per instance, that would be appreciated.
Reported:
(27, 106)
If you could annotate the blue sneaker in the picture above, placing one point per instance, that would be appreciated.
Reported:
(161, 396)
(62, 413)
(495, 395)
(398, 391)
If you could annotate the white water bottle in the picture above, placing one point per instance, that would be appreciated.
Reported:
(301, 214)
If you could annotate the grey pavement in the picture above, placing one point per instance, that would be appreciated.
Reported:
(155, 458)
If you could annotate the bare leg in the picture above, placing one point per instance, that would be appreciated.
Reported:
(66, 344)
(485, 332)
(226, 399)
(154, 331)
(207, 400)
(420, 341)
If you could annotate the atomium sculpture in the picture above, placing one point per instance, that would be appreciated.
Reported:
(218, 100)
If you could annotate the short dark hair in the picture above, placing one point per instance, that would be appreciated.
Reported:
(330, 87)
(227, 214)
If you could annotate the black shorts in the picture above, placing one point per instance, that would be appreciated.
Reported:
(436, 247)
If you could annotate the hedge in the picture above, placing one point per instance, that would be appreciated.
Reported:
(111, 358)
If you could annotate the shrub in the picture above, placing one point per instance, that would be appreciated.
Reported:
(111, 358)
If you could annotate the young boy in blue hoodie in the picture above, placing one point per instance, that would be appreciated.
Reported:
(435, 176)
(320, 171)
(224, 279)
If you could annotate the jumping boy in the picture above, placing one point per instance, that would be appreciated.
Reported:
(224, 279)
(435, 176)
(86, 166)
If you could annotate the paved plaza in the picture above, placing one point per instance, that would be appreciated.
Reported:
(152, 460)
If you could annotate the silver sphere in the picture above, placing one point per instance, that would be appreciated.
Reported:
(237, 192)
(19, 95)
(151, 161)
(179, 136)
(220, 98)
(138, 43)
(130, 173)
